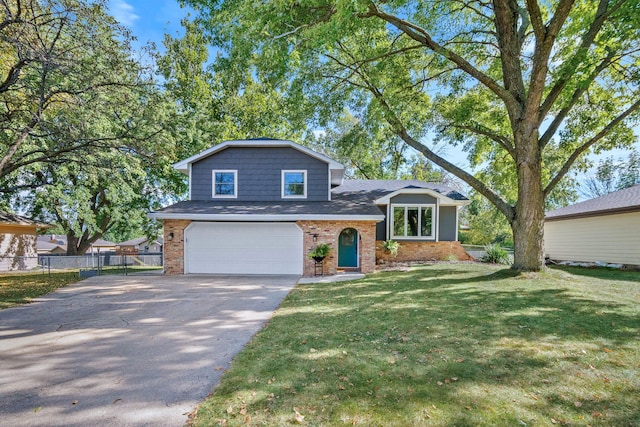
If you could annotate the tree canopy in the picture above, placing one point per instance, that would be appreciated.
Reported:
(525, 88)
(81, 121)
(66, 69)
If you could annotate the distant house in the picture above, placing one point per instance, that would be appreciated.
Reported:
(51, 244)
(18, 242)
(56, 244)
(140, 245)
(605, 229)
(102, 246)
(47, 248)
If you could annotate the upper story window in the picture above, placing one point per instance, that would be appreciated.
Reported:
(294, 184)
(412, 221)
(225, 183)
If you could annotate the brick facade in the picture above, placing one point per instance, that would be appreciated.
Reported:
(174, 247)
(370, 251)
(328, 232)
(423, 251)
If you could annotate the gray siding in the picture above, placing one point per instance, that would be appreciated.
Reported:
(260, 173)
(447, 225)
(446, 217)
(420, 199)
(381, 227)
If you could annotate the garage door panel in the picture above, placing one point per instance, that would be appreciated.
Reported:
(243, 248)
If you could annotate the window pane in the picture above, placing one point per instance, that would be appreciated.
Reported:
(224, 177)
(425, 228)
(412, 221)
(224, 184)
(294, 184)
(224, 190)
(398, 221)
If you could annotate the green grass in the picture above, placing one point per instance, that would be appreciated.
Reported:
(443, 345)
(21, 288)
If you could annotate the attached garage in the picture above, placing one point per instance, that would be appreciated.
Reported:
(243, 248)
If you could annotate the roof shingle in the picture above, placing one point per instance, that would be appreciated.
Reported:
(618, 201)
(376, 188)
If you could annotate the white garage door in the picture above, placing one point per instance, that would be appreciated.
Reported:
(243, 248)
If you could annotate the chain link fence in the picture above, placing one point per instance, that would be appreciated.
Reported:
(90, 264)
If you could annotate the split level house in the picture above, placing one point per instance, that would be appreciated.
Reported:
(261, 206)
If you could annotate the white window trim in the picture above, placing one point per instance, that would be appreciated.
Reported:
(235, 184)
(282, 184)
(434, 225)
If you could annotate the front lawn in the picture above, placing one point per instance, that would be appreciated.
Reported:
(443, 345)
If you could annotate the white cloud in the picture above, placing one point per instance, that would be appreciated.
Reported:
(123, 12)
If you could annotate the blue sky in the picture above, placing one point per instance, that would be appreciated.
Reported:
(149, 20)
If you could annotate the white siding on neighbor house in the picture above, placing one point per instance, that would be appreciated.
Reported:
(607, 238)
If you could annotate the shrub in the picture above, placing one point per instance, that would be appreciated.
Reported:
(320, 251)
(494, 253)
(392, 247)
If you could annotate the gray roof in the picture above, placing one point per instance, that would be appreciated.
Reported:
(627, 200)
(43, 245)
(352, 198)
(11, 218)
(139, 241)
(229, 207)
(61, 239)
(375, 188)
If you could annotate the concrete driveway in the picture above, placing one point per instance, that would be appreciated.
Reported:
(127, 351)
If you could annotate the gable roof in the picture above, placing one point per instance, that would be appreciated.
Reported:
(627, 200)
(139, 241)
(13, 219)
(337, 169)
(379, 189)
(47, 246)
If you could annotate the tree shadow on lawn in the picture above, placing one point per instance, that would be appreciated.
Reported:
(528, 311)
(459, 348)
(601, 273)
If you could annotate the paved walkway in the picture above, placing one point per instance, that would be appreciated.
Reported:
(127, 351)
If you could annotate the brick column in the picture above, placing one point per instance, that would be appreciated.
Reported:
(329, 232)
(174, 247)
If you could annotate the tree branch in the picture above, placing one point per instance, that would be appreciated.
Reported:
(577, 94)
(401, 131)
(499, 139)
(423, 37)
(580, 150)
(587, 40)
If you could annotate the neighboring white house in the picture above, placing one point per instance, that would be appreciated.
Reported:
(603, 229)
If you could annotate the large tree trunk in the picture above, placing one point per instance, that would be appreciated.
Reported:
(72, 244)
(528, 220)
(528, 230)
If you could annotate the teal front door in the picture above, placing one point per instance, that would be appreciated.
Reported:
(348, 248)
